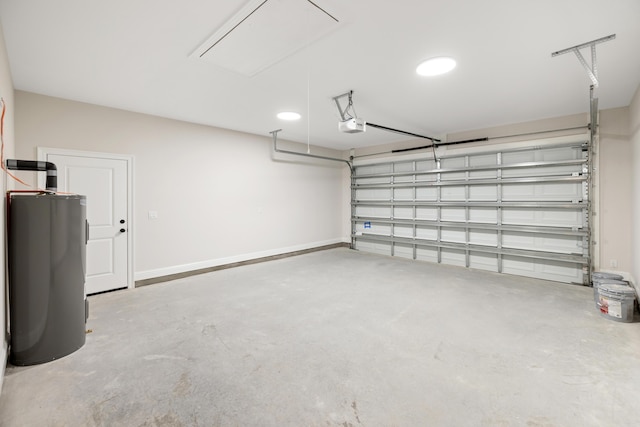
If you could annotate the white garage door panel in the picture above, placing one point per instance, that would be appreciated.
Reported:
(558, 269)
(483, 215)
(373, 194)
(402, 167)
(486, 238)
(453, 214)
(560, 218)
(381, 212)
(545, 155)
(452, 176)
(403, 213)
(483, 261)
(517, 193)
(453, 257)
(374, 169)
(373, 211)
(403, 231)
(483, 160)
(561, 244)
(427, 213)
(456, 236)
(549, 270)
(541, 171)
(374, 180)
(404, 251)
(427, 254)
(426, 178)
(542, 242)
(542, 217)
(403, 178)
(403, 194)
(483, 193)
(427, 194)
(519, 211)
(487, 174)
(380, 229)
(453, 194)
(542, 192)
(426, 233)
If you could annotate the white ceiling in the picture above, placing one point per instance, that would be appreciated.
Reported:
(136, 55)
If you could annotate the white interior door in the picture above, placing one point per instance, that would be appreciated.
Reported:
(104, 181)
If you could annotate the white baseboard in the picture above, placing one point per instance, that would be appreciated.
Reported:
(177, 269)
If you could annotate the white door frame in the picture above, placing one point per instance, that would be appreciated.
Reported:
(42, 153)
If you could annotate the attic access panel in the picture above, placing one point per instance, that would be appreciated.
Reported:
(264, 32)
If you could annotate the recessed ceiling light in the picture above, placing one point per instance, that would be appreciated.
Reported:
(436, 66)
(288, 115)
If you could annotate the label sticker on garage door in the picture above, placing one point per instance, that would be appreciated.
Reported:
(367, 224)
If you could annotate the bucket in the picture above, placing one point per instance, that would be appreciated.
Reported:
(602, 275)
(616, 302)
(598, 282)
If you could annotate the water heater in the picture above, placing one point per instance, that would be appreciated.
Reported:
(47, 234)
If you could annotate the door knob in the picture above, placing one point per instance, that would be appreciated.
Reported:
(122, 230)
(122, 221)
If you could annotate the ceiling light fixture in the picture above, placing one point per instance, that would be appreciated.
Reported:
(289, 115)
(436, 66)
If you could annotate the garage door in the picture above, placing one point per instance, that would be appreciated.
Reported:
(521, 210)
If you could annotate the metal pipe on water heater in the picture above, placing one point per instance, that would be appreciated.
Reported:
(37, 166)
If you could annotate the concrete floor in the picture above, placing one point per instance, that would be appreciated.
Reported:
(339, 338)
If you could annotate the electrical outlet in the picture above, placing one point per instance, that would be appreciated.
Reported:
(613, 263)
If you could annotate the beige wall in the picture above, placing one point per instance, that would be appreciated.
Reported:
(220, 195)
(6, 92)
(614, 215)
(634, 131)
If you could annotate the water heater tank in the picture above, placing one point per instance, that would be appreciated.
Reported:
(47, 260)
